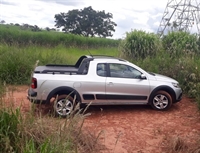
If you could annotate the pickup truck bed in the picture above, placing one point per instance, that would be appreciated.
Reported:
(62, 69)
(55, 69)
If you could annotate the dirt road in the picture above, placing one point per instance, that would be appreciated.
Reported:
(137, 129)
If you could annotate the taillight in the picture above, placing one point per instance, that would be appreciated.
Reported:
(34, 83)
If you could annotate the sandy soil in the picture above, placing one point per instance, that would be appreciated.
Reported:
(135, 129)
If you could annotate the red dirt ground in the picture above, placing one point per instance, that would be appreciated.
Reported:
(135, 129)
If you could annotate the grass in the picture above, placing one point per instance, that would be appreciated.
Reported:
(13, 35)
(177, 144)
(16, 63)
(34, 131)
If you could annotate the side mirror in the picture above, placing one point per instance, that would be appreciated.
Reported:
(142, 76)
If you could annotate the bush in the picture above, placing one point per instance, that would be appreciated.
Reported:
(178, 43)
(139, 44)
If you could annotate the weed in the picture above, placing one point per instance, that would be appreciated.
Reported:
(31, 132)
(179, 144)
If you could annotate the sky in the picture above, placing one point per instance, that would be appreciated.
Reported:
(127, 14)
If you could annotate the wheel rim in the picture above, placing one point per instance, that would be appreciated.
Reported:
(64, 107)
(160, 101)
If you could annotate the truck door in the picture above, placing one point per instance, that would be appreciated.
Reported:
(94, 84)
(125, 86)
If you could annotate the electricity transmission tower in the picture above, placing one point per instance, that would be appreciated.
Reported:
(180, 15)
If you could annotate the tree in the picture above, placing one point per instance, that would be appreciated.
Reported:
(17, 24)
(86, 22)
(2, 22)
(47, 29)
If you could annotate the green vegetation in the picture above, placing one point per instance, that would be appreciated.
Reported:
(181, 43)
(16, 63)
(86, 22)
(139, 45)
(34, 132)
(15, 36)
(8, 131)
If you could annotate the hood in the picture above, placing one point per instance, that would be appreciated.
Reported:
(164, 78)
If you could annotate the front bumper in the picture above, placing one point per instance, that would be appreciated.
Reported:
(179, 98)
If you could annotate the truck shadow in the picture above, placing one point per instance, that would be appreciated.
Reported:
(94, 108)
(125, 109)
(106, 109)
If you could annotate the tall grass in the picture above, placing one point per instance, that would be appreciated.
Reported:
(13, 35)
(177, 43)
(16, 63)
(8, 131)
(33, 132)
(139, 44)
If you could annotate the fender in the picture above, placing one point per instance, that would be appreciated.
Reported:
(61, 90)
(164, 88)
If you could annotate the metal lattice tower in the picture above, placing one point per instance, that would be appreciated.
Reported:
(180, 15)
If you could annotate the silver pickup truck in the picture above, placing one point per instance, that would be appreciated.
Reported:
(101, 80)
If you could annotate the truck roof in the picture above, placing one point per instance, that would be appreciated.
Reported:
(105, 57)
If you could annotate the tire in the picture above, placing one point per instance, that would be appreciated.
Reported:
(63, 105)
(161, 100)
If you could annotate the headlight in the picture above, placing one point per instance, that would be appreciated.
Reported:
(176, 85)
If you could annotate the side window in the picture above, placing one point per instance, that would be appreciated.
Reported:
(101, 69)
(123, 71)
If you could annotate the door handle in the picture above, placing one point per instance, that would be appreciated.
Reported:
(110, 83)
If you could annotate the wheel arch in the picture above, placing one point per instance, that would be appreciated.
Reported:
(64, 90)
(163, 88)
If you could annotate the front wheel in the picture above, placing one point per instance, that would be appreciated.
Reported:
(161, 100)
(63, 105)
